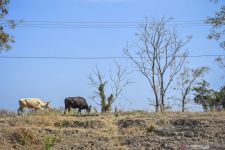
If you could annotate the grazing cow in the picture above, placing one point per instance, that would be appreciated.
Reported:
(34, 103)
(76, 102)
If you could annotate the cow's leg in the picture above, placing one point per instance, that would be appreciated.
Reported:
(35, 109)
(79, 111)
(69, 108)
(19, 110)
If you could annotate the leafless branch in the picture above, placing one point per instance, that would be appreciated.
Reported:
(156, 56)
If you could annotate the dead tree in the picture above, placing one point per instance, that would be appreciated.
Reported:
(159, 56)
(118, 82)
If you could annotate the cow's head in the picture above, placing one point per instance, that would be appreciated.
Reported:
(89, 109)
(47, 105)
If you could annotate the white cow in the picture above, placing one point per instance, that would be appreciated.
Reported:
(34, 103)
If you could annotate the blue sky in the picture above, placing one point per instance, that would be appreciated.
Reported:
(56, 79)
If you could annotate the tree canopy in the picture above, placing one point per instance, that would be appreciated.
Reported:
(5, 38)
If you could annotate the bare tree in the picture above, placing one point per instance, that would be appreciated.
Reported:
(185, 81)
(118, 82)
(159, 57)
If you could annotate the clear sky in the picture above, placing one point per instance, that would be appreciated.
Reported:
(56, 79)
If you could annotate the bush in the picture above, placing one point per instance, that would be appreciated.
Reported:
(49, 142)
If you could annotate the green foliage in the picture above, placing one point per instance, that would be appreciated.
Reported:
(203, 95)
(218, 31)
(49, 142)
(3, 8)
(219, 99)
(208, 98)
(222, 96)
(5, 38)
(105, 102)
(218, 22)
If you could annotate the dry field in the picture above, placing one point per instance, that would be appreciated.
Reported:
(112, 131)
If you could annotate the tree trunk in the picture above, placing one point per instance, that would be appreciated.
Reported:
(102, 95)
(162, 106)
(162, 94)
(183, 105)
(157, 105)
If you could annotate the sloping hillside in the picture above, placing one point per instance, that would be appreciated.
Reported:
(131, 130)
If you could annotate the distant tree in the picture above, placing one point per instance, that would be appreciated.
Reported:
(209, 98)
(218, 30)
(5, 38)
(222, 97)
(204, 95)
(159, 56)
(118, 83)
(185, 82)
(221, 61)
(219, 99)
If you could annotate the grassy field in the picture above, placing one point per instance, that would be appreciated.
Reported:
(47, 130)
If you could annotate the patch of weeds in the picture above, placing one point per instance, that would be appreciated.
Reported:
(133, 131)
(72, 112)
(151, 127)
(50, 141)
(109, 130)
(62, 124)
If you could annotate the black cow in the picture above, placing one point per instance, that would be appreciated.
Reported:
(76, 102)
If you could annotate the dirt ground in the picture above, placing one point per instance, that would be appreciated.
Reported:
(113, 131)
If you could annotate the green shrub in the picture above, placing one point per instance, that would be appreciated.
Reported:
(49, 142)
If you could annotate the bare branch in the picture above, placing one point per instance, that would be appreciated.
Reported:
(158, 51)
(118, 80)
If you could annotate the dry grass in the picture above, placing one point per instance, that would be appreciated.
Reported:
(46, 129)
(6, 113)
(151, 127)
